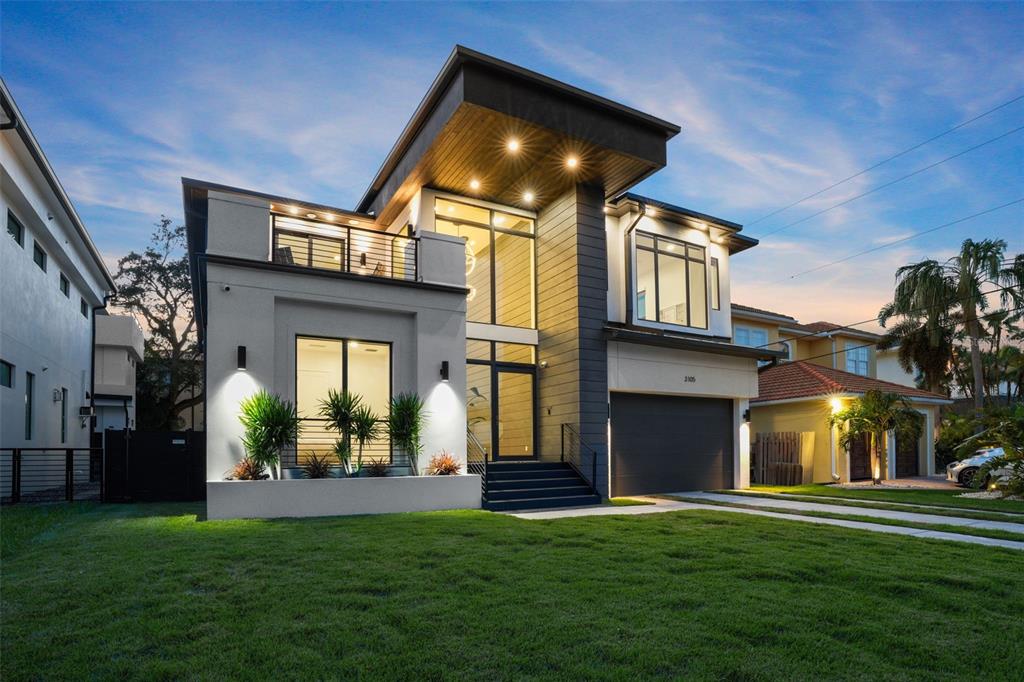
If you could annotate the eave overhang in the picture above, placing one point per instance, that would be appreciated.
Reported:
(613, 332)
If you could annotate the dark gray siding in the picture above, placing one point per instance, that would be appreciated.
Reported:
(572, 284)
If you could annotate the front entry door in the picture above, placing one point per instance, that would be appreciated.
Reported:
(514, 412)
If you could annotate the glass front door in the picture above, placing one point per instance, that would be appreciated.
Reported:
(515, 412)
(501, 399)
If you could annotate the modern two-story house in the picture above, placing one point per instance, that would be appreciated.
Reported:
(825, 366)
(571, 340)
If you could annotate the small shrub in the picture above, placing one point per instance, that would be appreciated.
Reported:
(248, 470)
(317, 466)
(343, 451)
(444, 464)
(376, 468)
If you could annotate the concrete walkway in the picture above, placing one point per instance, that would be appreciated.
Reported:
(809, 506)
(661, 506)
(753, 493)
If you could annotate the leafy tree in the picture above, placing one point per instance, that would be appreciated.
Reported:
(874, 414)
(154, 287)
(937, 294)
(919, 352)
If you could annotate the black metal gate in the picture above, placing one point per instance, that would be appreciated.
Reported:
(154, 466)
(50, 474)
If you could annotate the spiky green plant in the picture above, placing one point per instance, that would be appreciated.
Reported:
(405, 424)
(874, 414)
(271, 423)
(338, 411)
(365, 427)
(343, 451)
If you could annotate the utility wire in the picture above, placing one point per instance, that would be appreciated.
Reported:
(899, 241)
(891, 182)
(887, 160)
(868, 345)
(850, 327)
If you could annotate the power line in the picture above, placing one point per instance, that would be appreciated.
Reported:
(891, 183)
(850, 327)
(899, 241)
(868, 345)
(887, 160)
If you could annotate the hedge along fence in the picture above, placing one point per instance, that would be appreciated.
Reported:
(782, 457)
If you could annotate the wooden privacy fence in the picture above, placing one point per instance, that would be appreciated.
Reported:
(781, 457)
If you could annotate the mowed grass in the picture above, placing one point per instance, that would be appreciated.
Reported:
(937, 497)
(149, 592)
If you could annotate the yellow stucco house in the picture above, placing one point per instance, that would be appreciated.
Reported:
(827, 367)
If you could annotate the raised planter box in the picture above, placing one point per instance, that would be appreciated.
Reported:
(340, 496)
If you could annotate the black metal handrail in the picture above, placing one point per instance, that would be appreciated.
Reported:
(574, 454)
(50, 473)
(476, 458)
(353, 250)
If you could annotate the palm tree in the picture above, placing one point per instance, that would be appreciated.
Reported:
(338, 412)
(875, 414)
(933, 293)
(365, 427)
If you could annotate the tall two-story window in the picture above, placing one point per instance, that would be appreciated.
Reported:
(671, 281)
(499, 261)
(856, 358)
(30, 395)
(63, 415)
(15, 229)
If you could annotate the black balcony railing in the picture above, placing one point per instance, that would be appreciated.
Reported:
(345, 249)
(316, 438)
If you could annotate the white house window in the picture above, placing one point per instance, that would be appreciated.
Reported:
(671, 281)
(856, 358)
(748, 336)
(787, 346)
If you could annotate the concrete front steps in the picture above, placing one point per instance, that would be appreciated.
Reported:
(514, 486)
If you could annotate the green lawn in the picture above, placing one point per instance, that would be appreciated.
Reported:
(147, 592)
(936, 497)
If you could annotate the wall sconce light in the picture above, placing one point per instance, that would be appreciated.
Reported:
(444, 371)
(746, 416)
(362, 259)
(241, 357)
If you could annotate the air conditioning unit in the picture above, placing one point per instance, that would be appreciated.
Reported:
(85, 411)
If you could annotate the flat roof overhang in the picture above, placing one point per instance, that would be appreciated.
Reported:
(477, 103)
(691, 343)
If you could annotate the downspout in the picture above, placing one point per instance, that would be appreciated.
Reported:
(628, 284)
(92, 360)
(833, 453)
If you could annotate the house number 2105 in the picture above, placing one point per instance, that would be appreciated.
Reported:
(690, 379)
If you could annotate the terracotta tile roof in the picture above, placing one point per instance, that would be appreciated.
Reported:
(761, 311)
(790, 380)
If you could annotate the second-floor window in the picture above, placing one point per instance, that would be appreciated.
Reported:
(15, 229)
(856, 358)
(39, 256)
(671, 281)
(311, 244)
(748, 336)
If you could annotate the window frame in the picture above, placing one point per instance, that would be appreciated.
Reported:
(657, 251)
(18, 238)
(750, 331)
(496, 367)
(491, 211)
(39, 254)
(9, 369)
(714, 291)
(30, 399)
(65, 286)
(63, 415)
(852, 352)
(84, 308)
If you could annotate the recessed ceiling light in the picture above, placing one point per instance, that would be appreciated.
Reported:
(353, 344)
(271, 207)
(651, 211)
(605, 209)
(311, 215)
(513, 145)
(527, 196)
(328, 217)
(451, 209)
(294, 210)
(499, 219)
(474, 184)
(572, 162)
(353, 222)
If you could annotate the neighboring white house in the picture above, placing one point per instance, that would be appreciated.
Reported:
(118, 350)
(52, 282)
(889, 369)
(571, 340)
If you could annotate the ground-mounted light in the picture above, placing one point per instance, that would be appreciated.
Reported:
(512, 145)
(240, 358)
(528, 197)
(474, 184)
(444, 371)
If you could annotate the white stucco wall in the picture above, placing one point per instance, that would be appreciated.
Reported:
(650, 369)
(887, 368)
(41, 330)
(265, 310)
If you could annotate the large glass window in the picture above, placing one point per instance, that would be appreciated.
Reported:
(500, 398)
(360, 367)
(749, 336)
(671, 281)
(856, 358)
(499, 261)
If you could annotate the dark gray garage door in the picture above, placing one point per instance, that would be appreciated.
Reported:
(664, 444)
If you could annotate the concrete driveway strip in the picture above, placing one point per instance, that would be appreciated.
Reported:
(661, 505)
(809, 506)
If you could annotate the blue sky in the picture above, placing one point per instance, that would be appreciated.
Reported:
(776, 101)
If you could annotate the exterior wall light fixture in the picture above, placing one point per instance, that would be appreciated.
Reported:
(241, 358)
(444, 371)
(746, 416)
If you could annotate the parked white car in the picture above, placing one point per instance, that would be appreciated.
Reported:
(963, 472)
